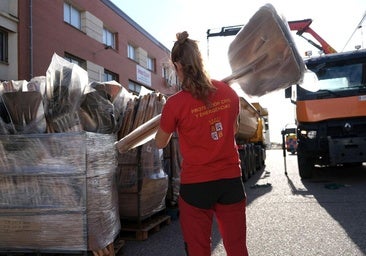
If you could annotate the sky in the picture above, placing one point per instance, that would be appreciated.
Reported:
(334, 21)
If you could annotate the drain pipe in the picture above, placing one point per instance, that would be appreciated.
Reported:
(30, 39)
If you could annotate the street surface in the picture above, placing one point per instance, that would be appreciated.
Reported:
(287, 216)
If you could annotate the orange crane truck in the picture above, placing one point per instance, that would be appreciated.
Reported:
(331, 121)
(331, 110)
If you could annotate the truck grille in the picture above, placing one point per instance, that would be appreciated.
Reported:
(354, 128)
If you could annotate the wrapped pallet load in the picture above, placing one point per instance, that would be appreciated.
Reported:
(58, 162)
(142, 181)
(62, 195)
(43, 192)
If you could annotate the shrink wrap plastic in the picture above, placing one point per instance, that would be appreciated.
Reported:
(172, 164)
(59, 164)
(59, 190)
(142, 182)
(62, 101)
(263, 56)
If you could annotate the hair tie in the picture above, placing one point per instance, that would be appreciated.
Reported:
(182, 37)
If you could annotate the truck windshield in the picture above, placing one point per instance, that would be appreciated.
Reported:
(340, 77)
(335, 79)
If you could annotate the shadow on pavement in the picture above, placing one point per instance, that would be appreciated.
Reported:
(256, 186)
(341, 191)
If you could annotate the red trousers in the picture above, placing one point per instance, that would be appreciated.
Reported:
(196, 225)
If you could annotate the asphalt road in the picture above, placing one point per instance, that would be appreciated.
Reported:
(287, 216)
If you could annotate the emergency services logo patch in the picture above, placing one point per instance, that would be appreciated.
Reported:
(216, 131)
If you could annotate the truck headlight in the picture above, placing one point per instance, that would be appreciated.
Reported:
(308, 134)
(311, 134)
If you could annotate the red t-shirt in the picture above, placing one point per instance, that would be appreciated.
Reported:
(206, 135)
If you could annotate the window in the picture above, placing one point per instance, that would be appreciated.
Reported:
(150, 64)
(169, 75)
(3, 46)
(73, 59)
(336, 77)
(131, 52)
(109, 38)
(109, 76)
(72, 16)
(134, 87)
(165, 72)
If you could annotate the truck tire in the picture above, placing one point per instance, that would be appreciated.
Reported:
(247, 161)
(260, 157)
(305, 165)
(258, 160)
(243, 165)
(252, 160)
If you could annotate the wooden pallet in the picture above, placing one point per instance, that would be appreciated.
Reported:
(112, 249)
(134, 230)
(118, 244)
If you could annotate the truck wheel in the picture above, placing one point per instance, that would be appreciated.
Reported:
(244, 170)
(245, 175)
(247, 162)
(305, 166)
(259, 159)
(252, 160)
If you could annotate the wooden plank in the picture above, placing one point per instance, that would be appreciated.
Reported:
(139, 136)
(118, 245)
(110, 250)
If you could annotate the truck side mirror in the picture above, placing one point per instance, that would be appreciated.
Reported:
(310, 81)
(288, 92)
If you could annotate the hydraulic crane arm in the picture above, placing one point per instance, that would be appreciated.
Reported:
(225, 31)
(303, 26)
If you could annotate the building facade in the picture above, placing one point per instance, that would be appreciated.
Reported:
(8, 40)
(95, 34)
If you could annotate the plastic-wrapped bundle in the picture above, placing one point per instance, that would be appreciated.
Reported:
(263, 56)
(61, 194)
(142, 182)
(172, 165)
(65, 85)
(21, 106)
(102, 204)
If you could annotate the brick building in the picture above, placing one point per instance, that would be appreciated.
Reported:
(95, 34)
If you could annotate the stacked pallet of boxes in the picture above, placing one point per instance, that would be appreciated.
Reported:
(58, 162)
(53, 197)
(142, 181)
